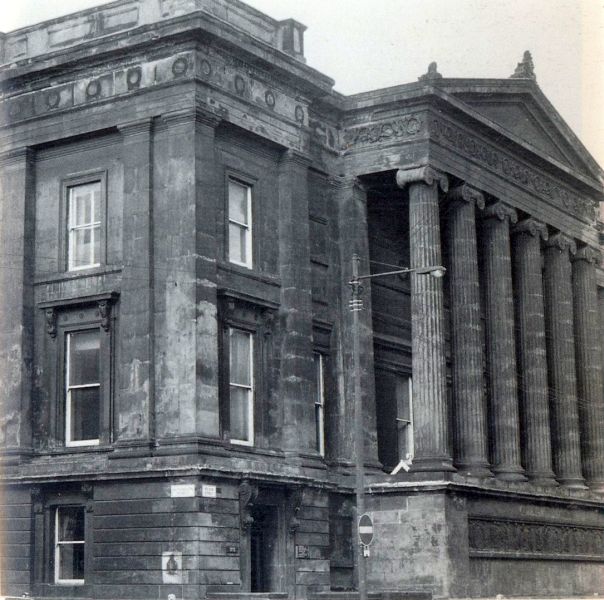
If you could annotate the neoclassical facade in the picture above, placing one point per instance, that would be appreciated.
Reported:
(181, 200)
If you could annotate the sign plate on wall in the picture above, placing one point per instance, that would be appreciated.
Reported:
(182, 490)
(208, 491)
(365, 529)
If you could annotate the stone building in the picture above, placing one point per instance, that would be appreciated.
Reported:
(181, 199)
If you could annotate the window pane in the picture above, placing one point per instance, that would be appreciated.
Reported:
(71, 524)
(319, 427)
(240, 367)
(71, 561)
(84, 350)
(82, 248)
(239, 413)
(238, 198)
(402, 398)
(85, 413)
(238, 243)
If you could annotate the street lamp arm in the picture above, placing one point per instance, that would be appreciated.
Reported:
(435, 271)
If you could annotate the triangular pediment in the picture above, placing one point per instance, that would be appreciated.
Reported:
(520, 108)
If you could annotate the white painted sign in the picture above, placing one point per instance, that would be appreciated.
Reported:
(171, 567)
(182, 490)
(208, 491)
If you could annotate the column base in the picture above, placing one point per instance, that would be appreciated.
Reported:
(543, 478)
(479, 470)
(509, 473)
(432, 464)
(573, 483)
(596, 485)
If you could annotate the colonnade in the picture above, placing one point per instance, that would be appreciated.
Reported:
(526, 355)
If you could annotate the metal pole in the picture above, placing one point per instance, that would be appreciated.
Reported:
(356, 305)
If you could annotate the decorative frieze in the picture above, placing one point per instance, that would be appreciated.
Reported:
(396, 129)
(512, 169)
(499, 538)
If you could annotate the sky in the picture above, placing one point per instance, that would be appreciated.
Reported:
(368, 44)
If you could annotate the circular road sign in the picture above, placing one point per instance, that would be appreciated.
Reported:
(365, 530)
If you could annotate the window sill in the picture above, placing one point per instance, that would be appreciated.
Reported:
(73, 275)
(251, 273)
(77, 450)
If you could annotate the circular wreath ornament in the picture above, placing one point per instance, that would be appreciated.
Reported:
(269, 98)
(133, 77)
(52, 99)
(93, 89)
(180, 66)
(299, 114)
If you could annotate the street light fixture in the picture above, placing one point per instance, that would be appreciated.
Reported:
(356, 305)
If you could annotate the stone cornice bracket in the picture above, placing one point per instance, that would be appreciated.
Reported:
(531, 227)
(104, 307)
(562, 242)
(294, 156)
(294, 502)
(500, 211)
(466, 193)
(425, 174)
(50, 315)
(138, 127)
(588, 254)
(248, 493)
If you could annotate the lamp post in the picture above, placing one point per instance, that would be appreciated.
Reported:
(356, 305)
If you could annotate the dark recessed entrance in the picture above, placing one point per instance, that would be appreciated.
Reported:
(265, 559)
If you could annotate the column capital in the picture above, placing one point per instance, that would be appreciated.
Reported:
(588, 254)
(347, 181)
(197, 115)
(466, 193)
(294, 156)
(562, 242)
(137, 127)
(501, 211)
(531, 227)
(425, 174)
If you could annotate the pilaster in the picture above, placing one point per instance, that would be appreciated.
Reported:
(135, 372)
(430, 412)
(295, 313)
(351, 198)
(590, 385)
(559, 319)
(500, 343)
(469, 410)
(185, 275)
(17, 218)
(532, 360)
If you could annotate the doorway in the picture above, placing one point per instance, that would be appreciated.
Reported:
(265, 556)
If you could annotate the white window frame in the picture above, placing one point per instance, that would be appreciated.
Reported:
(250, 388)
(320, 404)
(248, 227)
(58, 544)
(68, 441)
(93, 226)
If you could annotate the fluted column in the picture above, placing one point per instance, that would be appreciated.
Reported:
(532, 359)
(501, 349)
(431, 452)
(470, 426)
(561, 360)
(589, 366)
